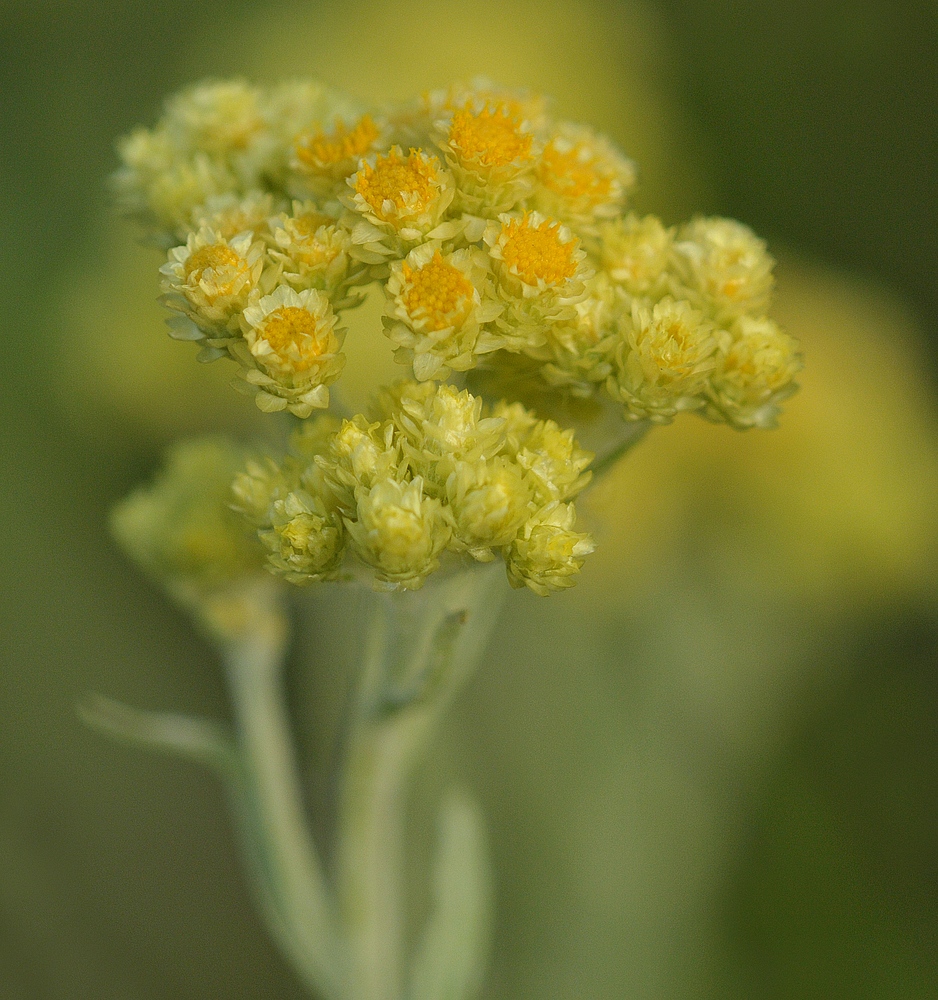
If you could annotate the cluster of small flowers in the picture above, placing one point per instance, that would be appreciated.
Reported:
(500, 239)
(182, 531)
(429, 471)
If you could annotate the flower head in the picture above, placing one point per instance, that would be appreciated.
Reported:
(492, 154)
(229, 215)
(290, 350)
(582, 178)
(323, 159)
(398, 532)
(399, 201)
(755, 369)
(664, 364)
(181, 531)
(217, 117)
(305, 541)
(547, 555)
(636, 253)
(583, 349)
(313, 251)
(438, 309)
(161, 184)
(540, 273)
(723, 268)
(211, 280)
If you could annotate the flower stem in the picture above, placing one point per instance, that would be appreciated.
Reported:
(421, 648)
(279, 846)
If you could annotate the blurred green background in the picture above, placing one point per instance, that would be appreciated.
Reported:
(710, 769)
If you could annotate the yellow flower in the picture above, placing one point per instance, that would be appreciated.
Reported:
(547, 555)
(359, 453)
(181, 530)
(583, 350)
(322, 160)
(290, 352)
(397, 196)
(413, 123)
(211, 280)
(555, 460)
(292, 109)
(161, 184)
(492, 154)
(229, 214)
(437, 307)
(259, 484)
(664, 364)
(581, 177)
(216, 116)
(540, 275)
(489, 501)
(441, 426)
(313, 252)
(305, 541)
(210, 141)
(723, 268)
(755, 371)
(399, 532)
(636, 252)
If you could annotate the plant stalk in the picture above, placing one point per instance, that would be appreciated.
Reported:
(421, 648)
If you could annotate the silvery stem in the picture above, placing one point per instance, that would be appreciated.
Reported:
(421, 648)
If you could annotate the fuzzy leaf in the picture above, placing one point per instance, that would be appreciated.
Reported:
(451, 957)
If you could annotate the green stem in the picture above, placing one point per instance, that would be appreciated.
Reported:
(421, 648)
(293, 891)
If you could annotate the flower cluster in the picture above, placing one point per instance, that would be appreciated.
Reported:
(503, 246)
(430, 474)
(181, 531)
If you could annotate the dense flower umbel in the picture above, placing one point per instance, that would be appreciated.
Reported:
(503, 243)
(430, 475)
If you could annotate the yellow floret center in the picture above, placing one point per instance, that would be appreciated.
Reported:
(294, 331)
(572, 173)
(410, 183)
(438, 293)
(732, 288)
(309, 223)
(765, 361)
(537, 253)
(308, 248)
(342, 143)
(741, 363)
(677, 335)
(215, 257)
(493, 137)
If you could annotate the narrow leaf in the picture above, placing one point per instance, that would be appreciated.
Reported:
(451, 958)
(200, 740)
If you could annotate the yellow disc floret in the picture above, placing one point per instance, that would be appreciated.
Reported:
(438, 294)
(536, 252)
(222, 266)
(572, 172)
(409, 183)
(290, 351)
(211, 280)
(324, 149)
(491, 136)
(295, 333)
